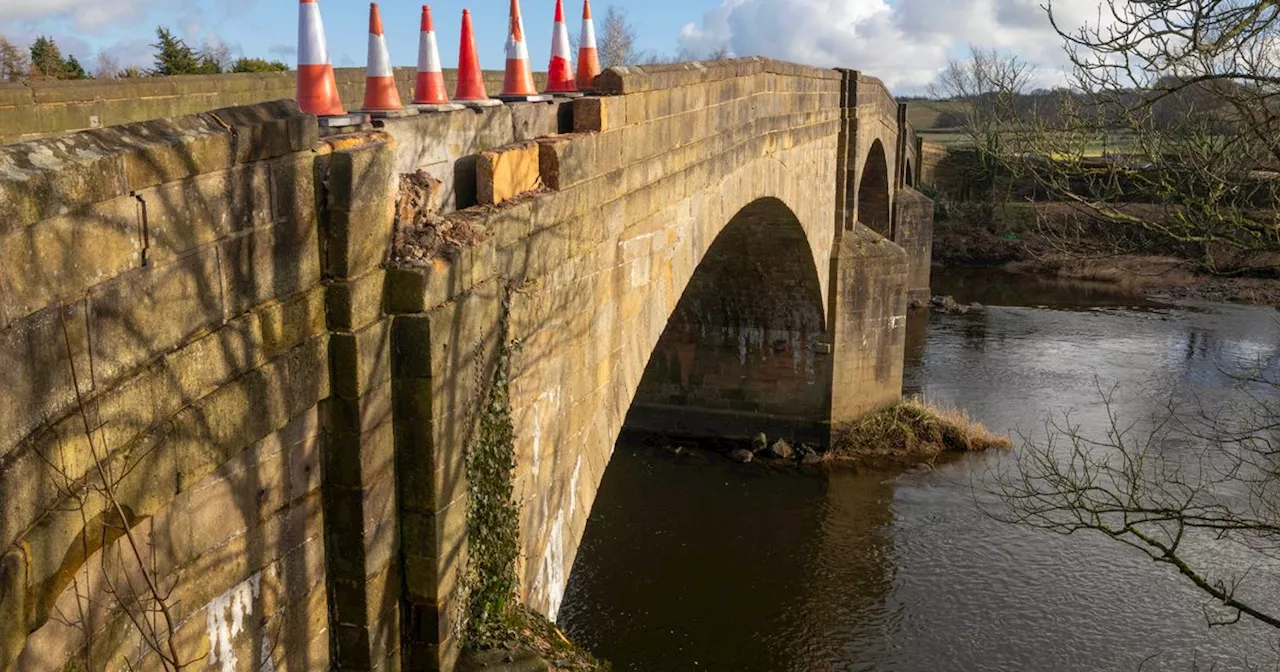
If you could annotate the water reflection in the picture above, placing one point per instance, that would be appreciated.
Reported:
(698, 563)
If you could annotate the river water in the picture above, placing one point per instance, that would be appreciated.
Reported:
(694, 562)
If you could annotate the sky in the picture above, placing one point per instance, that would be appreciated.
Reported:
(904, 42)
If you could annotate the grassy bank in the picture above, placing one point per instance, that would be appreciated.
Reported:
(912, 432)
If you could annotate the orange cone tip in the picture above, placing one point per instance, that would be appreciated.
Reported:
(588, 55)
(380, 93)
(470, 91)
(429, 87)
(317, 89)
(518, 82)
(560, 77)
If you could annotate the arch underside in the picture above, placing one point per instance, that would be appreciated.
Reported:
(742, 351)
(873, 192)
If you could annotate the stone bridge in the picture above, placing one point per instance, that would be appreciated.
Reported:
(213, 338)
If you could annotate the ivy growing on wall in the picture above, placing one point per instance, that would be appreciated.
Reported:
(493, 519)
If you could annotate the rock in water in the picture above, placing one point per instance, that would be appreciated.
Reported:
(811, 458)
(781, 450)
(759, 443)
(741, 455)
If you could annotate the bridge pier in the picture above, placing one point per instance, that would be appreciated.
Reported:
(869, 280)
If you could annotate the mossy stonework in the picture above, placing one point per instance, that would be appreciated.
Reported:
(373, 450)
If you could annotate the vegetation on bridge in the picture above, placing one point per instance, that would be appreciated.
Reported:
(500, 629)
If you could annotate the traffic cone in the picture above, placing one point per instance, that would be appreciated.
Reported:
(560, 79)
(381, 98)
(317, 88)
(518, 83)
(470, 90)
(429, 93)
(588, 56)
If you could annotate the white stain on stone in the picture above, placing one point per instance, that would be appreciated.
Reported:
(226, 618)
(268, 665)
(552, 574)
(573, 487)
(550, 399)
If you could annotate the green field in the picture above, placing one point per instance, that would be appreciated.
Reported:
(924, 115)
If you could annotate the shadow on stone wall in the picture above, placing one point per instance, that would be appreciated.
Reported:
(164, 352)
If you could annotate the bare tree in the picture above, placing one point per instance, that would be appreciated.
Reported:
(108, 67)
(1186, 484)
(217, 53)
(1183, 99)
(986, 90)
(13, 61)
(617, 41)
(1170, 486)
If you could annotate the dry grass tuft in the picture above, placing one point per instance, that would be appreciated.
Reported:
(913, 431)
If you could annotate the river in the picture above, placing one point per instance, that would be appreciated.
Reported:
(695, 562)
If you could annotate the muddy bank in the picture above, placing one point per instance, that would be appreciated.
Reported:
(1026, 250)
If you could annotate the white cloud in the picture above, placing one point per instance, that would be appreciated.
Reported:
(906, 43)
(130, 53)
(84, 15)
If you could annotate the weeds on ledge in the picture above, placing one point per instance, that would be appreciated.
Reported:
(913, 431)
(526, 637)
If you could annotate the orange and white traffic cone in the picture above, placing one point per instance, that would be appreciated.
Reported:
(588, 56)
(518, 83)
(428, 93)
(317, 88)
(560, 79)
(381, 97)
(470, 91)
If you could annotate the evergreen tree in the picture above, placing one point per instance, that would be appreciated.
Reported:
(47, 61)
(258, 65)
(71, 69)
(46, 58)
(173, 56)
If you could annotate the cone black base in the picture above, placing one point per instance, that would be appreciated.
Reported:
(525, 99)
(390, 114)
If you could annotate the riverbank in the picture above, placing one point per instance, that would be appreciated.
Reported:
(1017, 245)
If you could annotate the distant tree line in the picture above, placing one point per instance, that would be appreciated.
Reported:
(43, 59)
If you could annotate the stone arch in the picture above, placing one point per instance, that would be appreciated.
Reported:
(741, 352)
(873, 192)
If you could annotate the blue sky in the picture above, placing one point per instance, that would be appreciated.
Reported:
(905, 42)
(269, 28)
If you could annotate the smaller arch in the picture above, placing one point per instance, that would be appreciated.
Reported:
(873, 192)
(910, 175)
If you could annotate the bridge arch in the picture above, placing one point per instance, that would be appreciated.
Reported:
(873, 192)
(909, 176)
(741, 350)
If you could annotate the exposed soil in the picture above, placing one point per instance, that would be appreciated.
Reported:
(422, 234)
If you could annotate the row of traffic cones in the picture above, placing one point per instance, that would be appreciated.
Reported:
(318, 91)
